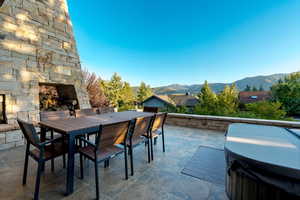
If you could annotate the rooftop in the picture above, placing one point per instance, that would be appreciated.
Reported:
(147, 182)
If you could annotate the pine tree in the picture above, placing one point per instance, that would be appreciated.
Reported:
(228, 100)
(127, 100)
(113, 89)
(254, 89)
(261, 88)
(207, 101)
(144, 92)
(248, 88)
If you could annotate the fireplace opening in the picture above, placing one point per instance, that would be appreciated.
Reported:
(1, 2)
(55, 97)
(2, 109)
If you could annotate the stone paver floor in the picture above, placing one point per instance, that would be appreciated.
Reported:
(160, 180)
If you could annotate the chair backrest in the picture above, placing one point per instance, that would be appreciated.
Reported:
(86, 112)
(142, 126)
(29, 132)
(159, 121)
(103, 110)
(150, 109)
(54, 115)
(112, 134)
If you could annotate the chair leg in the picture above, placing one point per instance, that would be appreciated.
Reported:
(126, 164)
(81, 166)
(163, 141)
(26, 165)
(151, 147)
(38, 179)
(148, 145)
(52, 160)
(97, 180)
(131, 160)
(155, 140)
(64, 161)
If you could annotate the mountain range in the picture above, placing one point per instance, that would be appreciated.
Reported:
(265, 81)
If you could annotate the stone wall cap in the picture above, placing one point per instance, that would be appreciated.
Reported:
(291, 124)
(8, 127)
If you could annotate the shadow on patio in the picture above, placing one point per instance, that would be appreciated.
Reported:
(162, 179)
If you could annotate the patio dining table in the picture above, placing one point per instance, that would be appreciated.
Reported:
(73, 127)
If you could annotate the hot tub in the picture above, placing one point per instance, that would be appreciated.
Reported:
(263, 162)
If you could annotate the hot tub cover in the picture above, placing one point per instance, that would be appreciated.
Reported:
(265, 153)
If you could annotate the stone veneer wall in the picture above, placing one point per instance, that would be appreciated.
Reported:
(36, 45)
(221, 123)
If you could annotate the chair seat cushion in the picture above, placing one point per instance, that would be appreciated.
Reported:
(104, 153)
(51, 151)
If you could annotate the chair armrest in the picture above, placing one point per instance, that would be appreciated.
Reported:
(87, 142)
(43, 144)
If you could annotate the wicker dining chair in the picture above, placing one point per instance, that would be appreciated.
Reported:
(157, 129)
(55, 115)
(150, 109)
(86, 112)
(42, 152)
(141, 127)
(105, 147)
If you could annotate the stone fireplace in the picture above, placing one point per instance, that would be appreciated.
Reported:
(37, 50)
(55, 97)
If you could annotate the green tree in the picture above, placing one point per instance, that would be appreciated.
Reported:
(207, 101)
(287, 92)
(113, 89)
(181, 109)
(127, 100)
(228, 100)
(144, 92)
(248, 88)
(254, 89)
(261, 88)
(266, 110)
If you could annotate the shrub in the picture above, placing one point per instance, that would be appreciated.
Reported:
(287, 92)
(266, 110)
(96, 94)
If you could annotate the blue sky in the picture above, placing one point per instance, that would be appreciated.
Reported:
(163, 42)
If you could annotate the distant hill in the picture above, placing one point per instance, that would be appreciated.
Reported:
(265, 81)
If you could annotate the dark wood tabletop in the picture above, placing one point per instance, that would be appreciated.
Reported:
(69, 125)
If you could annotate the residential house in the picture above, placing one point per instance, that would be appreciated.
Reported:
(175, 100)
(254, 96)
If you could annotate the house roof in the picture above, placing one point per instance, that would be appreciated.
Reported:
(184, 100)
(176, 100)
(163, 98)
(254, 96)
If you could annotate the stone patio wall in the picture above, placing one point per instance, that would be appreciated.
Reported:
(221, 123)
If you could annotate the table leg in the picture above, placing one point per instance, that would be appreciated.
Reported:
(43, 139)
(70, 169)
(43, 134)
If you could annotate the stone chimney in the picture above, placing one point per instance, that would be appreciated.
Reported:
(37, 45)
